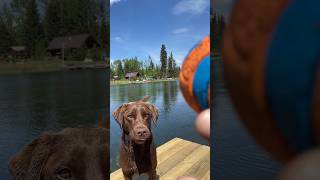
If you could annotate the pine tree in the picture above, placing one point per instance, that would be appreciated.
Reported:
(221, 26)
(5, 37)
(53, 21)
(174, 67)
(104, 29)
(170, 65)
(32, 27)
(118, 68)
(6, 29)
(217, 24)
(18, 8)
(163, 61)
(151, 66)
(214, 26)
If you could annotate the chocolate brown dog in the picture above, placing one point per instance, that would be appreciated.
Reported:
(137, 150)
(71, 154)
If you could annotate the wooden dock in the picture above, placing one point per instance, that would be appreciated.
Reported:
(179, 157)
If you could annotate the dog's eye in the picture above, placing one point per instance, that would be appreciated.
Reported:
(64, 174)
(131, 116)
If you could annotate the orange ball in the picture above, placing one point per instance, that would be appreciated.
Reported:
(271, 67)
(194, 76)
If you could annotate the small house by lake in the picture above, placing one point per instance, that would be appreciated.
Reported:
(115, 77)
(81, 43)
(17, 52)
(132, 75)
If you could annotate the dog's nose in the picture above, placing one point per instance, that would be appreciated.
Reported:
(142, 132)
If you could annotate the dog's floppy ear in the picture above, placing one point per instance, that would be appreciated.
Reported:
(145, 99)
(119, 113)
(29, 162)
(154, 112)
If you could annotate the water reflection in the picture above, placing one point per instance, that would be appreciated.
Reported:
(235, 153)
(33, 103)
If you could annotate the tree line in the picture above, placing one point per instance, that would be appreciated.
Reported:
(34, 23)
(218, 24)
(167, 67)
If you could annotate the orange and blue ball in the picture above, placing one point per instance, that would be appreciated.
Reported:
(194, 76)
(272, 70)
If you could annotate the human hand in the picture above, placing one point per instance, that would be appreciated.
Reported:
(305, 166)
(203, 124)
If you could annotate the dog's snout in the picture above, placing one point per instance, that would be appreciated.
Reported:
(142, 132)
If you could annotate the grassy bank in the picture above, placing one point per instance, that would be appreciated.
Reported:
(120, 82)
(34, 66)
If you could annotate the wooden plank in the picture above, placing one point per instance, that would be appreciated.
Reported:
(164, 155)
(201, 167)
(168, 145)
(117, 175)
(173, 160)
(206, 176)
(190, 165)
(179, 157)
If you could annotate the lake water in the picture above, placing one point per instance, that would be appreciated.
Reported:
(235, 154)
(33, 103)
(176, 117)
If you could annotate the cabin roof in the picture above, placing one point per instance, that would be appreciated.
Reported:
(68, 42)
(132, 74)
(18, 48)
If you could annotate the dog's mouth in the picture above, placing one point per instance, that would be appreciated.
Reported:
(140, 141)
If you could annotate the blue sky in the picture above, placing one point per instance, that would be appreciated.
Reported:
(139, 27)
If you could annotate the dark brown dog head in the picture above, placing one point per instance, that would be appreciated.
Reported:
(72, 154)
(136, 118)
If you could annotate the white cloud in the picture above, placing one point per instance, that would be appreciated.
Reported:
(114, 1)
(180, 30)
(118, 39)
(191, 6)
(179, 57)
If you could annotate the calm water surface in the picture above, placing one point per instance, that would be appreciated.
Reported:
(235, 154)
(33, 103)
(176, 117)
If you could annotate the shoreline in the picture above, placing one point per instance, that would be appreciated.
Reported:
(126, 82)
(38, 66)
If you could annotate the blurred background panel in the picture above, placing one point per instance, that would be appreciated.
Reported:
(236, 155)
(54, 69)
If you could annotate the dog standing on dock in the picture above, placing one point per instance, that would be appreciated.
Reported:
(137, 149)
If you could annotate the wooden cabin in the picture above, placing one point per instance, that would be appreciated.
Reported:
(71, 44)
(132, 75)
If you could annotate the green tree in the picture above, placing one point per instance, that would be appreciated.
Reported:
(6, 29)
(105, 33)
(175, 71)
(32, 27)
(52, 20)
(5, 37)
(163, 61)
(132, 65)
(118, 69)
(18, 8)
(217, 25)
(170, 65)
(151, 65)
